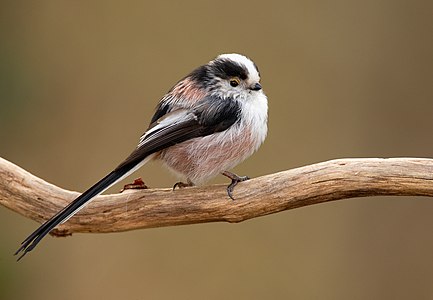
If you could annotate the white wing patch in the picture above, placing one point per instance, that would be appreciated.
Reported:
(169, 120)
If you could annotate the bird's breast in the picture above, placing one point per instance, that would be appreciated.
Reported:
(202, 158)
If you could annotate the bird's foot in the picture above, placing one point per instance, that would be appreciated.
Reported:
(138, 184)
(235, 180)
(182, 185)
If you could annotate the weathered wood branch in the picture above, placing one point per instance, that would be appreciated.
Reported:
(338, 179)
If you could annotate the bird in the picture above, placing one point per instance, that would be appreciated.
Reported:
(206, 124)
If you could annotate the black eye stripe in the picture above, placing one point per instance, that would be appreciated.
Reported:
(220, 68)
(225, 69)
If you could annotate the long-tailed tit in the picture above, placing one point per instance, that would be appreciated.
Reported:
(210, 121)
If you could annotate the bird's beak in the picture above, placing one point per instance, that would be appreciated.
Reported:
(256, 87)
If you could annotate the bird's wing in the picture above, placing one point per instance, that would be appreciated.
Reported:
(209, 116)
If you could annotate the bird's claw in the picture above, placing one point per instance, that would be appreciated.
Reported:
(138, 184)
(182, 185)
(235, 180)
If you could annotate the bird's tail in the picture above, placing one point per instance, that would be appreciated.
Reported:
(118, 174)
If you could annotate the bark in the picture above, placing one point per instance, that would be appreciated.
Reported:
(337, 179)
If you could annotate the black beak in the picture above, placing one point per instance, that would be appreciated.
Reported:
(256, 87)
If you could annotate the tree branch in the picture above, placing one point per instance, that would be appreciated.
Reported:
(338, 179)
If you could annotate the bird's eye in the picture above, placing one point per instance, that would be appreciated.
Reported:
(234, 82)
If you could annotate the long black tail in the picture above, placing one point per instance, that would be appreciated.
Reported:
(32, 240)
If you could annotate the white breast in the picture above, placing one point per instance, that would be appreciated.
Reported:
(200, 159)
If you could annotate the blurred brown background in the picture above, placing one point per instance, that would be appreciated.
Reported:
(78, 84)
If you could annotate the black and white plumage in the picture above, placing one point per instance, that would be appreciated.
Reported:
(205, 125)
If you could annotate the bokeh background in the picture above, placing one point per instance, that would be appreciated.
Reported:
(79, 81)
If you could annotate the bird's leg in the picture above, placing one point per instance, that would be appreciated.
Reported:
(235, 180)
(182, 185)
(138, 184)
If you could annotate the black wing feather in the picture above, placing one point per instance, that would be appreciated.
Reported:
(210, 115)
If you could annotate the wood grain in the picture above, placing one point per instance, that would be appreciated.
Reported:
(337, 179)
